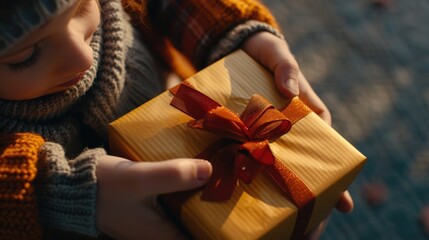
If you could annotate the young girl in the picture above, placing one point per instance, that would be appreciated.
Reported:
(69, 67)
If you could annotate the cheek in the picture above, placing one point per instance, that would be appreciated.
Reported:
(21, 87)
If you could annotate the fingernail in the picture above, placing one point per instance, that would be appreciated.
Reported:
(204, 170)
(292, 85)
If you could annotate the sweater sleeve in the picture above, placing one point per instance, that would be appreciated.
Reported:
(195, 27)
(66, 189)
(234, 38)
(19, 217)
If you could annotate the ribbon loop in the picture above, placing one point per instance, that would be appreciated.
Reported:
(250, 132)
(263, 120)
(223, 122)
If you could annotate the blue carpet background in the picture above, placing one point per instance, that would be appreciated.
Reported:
(370, 65)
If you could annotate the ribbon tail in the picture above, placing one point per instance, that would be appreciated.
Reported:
(296, 190)
(222, 183)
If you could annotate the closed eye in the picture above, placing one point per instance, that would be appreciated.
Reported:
(28, 62)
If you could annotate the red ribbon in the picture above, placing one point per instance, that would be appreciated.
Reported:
(244, 150)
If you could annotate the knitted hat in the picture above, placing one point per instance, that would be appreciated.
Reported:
(19, 17)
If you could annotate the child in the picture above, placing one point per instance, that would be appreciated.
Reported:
(69, 67)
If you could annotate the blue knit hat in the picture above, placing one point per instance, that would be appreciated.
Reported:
(19, 17)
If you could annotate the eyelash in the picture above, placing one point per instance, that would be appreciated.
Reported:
(30, 61)
(81, 11)
(83, 8)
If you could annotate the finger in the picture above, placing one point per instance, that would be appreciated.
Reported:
(140, 222)
(277, 58)
(284, 66)
(286, 77)
(170, 176)
(345, 203)
(312, 100)
(318, 231)
(156, 222)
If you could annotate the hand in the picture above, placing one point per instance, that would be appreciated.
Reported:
(273, 53)
(127, 191)
(344, 204)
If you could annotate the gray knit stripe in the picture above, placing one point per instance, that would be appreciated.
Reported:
(65, 131)
(66, 189)
(234, 38)
(104, 95)
(144, 80)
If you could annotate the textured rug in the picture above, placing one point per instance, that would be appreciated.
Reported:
(369, 62)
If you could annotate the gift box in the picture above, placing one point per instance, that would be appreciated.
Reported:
(279, 169)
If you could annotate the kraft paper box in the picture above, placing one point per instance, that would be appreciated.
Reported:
(312, 150)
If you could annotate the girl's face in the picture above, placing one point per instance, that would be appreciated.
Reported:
(53, 57)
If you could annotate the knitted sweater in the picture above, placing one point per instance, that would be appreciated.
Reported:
(73, 123)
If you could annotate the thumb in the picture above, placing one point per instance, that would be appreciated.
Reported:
(286, 77)
(172, 175)
(277, 58)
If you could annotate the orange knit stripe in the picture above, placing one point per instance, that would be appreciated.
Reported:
(18, 208)
(160, 45)
(195, 21)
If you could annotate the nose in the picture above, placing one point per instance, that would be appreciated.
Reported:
(74, 55)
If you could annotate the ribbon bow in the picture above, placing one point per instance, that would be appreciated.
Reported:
(244, 150)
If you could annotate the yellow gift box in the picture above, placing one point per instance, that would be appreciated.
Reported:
(324, 161)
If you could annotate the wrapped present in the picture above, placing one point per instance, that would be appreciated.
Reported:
(278, 168)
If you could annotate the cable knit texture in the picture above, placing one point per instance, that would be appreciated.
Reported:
(67, 192)
(18, 209)
(124, 75)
